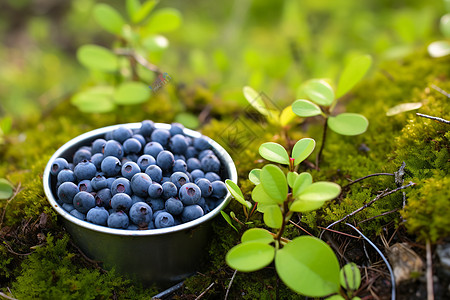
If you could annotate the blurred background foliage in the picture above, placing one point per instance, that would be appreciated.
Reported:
(272, 46)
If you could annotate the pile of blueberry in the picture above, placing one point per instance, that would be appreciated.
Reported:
(142, 179)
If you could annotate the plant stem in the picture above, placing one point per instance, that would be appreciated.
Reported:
(430, 289)
(279, 235)
(434, 118)
(322, 146)
(368, 176)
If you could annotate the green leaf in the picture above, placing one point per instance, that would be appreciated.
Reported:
(256, 100)
(95, 100)
(132, 7)
(302, 181)
(259, 195)
(291, 177)
(189, 120)
(274, 152)
(236, 193)
(439, 49)
(287, 116)
(402, 108)
(273, 217)
(353, 73)
(155, 43)
(257, 235)
(6, 125)
(144, 11)
(348, 124)
(319, 91)
(445, 25)
(251, 256)
(254, 176)
(274, 183)
(335, 297)
(6, 189)
(164, 20)
(228, 219)
(132, 92)
(262, 207)
(350, 277)
(97, 58)
(314, 195)
(305, 108)
(108, 18)
(302, 149)
(308, 266)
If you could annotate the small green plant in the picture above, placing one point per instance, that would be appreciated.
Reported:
(323, 99)
(306, 264)
(442, 48)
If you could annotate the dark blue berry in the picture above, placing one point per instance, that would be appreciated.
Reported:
(211, 176)
(174, 206)
(205, 187)
(83, 202)
(121, 134)
(164, 220)
(97, 146)
(193, 163)
(121, 201)
(58, 165)
(68, 207)
(140, 183)
(156, 204)
(219, 189)
(179, 178)
(111, 166)
(80, 155)
(97, 215)
(176, 128)
(178, 144)
(165, 160)
(141, 139)
(191, 152)
(169, 190)
(147, 128)
(179, 166)
(113, 148)
(85, 186)
(66, 175)
(121, 185)
(67, 191)
(103, 198)
(161, 136)
(189, 194)
(153, 149)
(97, 159)
(118, 220)
(141, 214)
(99, 182)
(154, 172)
(210, 163)
(78, 215)
(191, 212)
(155, 190)
(85, 170)
(201, 143)
(129, 169)
(144, 161)
(132, 145)
(197, 174)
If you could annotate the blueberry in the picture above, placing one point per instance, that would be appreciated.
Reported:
(97, 159)
(169, 190)
(179, 166)
(121, 185)
(161, 136)
(219, 189)
(197, 174)
(68, 207)
(141, 139)
(129, 169)
(144, 161)
(67, 191)
(155, 190)
(110, 180)
(210, 163)
(179, 178)
(176, 128)
(156, 213)
(130, 157)
(193, 163)
(85, 170)
(66, 175)
(147, 128)
(103, 198)
(113, 148)
(99, 182)
(133, 227)
(121, 201)
(153, 149)
(141, 214)
(202, 203)
(132, 145)
(97, 146)
(83, 202)
(191, 152)
(135, 198)
(85, 186)
(58, 165)
(164, 220)
(191, 212)
(165, 160)
(190, 194)
(205, 187)
(121, 134)
(165, 179)
(140, 183)
(174, 206)
(204, 154)
(118, 220)
(111, 166)
(156, 204)
(201, 143)
(154, 172)
(80, 155)
(211, 176)
(97, 215)
(179, 156)
(178, 144)
(78, 215)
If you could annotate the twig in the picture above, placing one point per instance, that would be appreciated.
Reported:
(168, 291)
(339, 232)
(139, 59)
(299, 227)
(434, 118)
(205, 291)
(430, 290)
(322, 146)
(382, 256)
(440, 90)
(6, 296)
(383, 214)
(382, 195)
(229, 285)
(368, 176)
(94, 262)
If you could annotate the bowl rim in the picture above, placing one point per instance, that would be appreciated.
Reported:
(97, 133)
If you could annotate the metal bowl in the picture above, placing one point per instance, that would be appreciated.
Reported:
(161, 256)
